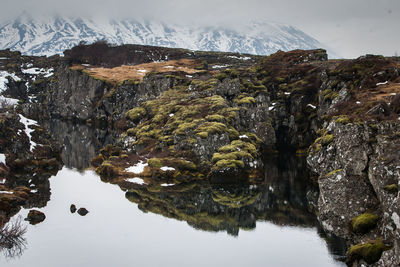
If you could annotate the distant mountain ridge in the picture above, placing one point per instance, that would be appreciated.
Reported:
(52, 35)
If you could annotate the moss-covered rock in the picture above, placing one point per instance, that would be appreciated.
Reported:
(107, 170)
(135, 114)
(371, 251)
(364, 223)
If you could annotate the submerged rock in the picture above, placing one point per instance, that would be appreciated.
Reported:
(83, 211)
(72, 208)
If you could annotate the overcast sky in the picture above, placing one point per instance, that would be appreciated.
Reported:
(349, 27)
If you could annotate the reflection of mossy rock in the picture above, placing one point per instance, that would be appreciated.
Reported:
(35, 217)
(235, 200)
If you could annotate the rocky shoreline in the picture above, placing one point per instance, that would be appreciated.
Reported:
(210, 115)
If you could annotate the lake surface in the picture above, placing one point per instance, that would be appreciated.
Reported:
(270, 223)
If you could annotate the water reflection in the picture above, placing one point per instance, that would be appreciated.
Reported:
(282, 195)
(280, 198)
(12, 240)
(81, 142)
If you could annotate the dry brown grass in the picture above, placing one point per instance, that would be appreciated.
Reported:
(137, 72)
(381, 92)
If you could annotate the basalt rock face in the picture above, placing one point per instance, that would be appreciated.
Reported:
(359, 172)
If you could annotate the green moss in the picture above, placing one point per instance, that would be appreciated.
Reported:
(177, 163)
(392, 188)
(135, 114)
(326, 139)
(131, 131)
(215, 117)
(239, 145)
(228, 164)
(184, 127)
(363, 223)
(333, 172)
(230, 156)
(371, 251)
(203, 135)
(245, 100)
(221, 76)
(155, 162)
(343, 119)
(107, 170)
(212, 128)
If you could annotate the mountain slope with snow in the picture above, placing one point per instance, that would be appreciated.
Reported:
(53, 35)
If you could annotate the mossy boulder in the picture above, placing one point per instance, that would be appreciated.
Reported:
(135, 114)
(370, 252)
(106, 169)
(364, 223)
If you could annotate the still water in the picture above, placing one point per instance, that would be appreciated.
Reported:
(194, 224)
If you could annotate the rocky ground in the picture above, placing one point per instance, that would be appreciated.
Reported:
(208, 115)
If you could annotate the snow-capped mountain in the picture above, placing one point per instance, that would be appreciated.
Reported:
(39, 36)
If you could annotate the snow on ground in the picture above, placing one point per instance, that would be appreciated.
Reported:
(243, 137)
(7, 102)
(4, 81)
(165, 168)
(241, 58)
(28, 122)
(382, 83)
(164, 185)
(3, 159)
(36, 71)
(219, 66)
(312, 106)
(138, 168)
(136, 180)
(6, 192)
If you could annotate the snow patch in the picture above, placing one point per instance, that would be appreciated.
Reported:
(382, 83)
(7, 102)
(358, 102)
(28, 122)
(165, 185)
(3, 159)
(241, 58)
(312, 106)
(243, 137)
(36, 71)
(6, 192)
(165, 168)
(136, 180)
(138, 168)
(4, 80)
(219, 66)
